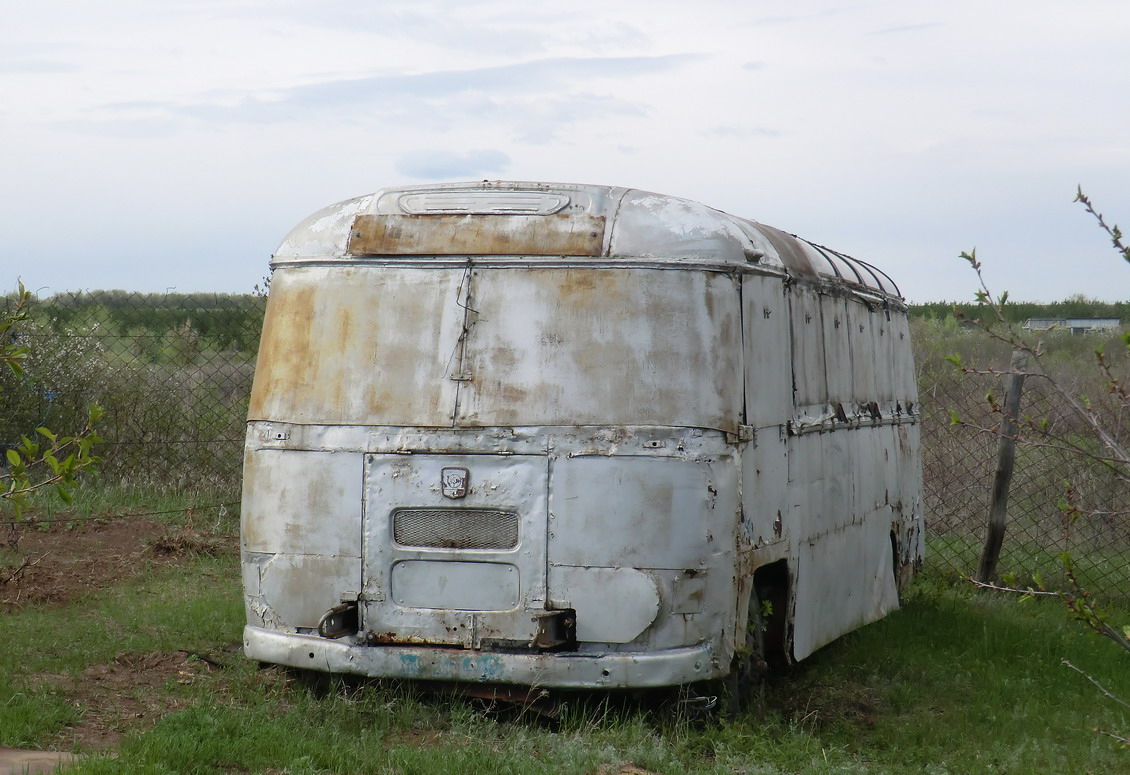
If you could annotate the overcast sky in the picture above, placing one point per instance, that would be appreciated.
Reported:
(171, 145)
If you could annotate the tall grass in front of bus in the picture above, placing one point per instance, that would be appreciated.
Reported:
(954, 682)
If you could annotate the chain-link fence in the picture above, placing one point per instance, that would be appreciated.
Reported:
(1062, 497)
(173, 373)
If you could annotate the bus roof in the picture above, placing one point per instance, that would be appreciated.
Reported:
(561, 220)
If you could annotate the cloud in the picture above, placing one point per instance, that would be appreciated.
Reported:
(741, 132)
(521, 77)
(425, 97)
(473, 28)
(541, 120)
(906, 28)
(134, 127)
(449, 165)
(40, 67)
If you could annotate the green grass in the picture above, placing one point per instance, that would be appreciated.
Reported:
(954, 556)
(211, 507)
(956, 682)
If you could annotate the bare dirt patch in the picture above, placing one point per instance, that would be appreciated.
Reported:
(55, 564)
(62, 563)
(129, 693)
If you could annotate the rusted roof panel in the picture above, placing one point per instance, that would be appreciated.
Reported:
(477, 235)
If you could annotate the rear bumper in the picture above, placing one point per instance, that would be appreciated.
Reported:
(609, 670)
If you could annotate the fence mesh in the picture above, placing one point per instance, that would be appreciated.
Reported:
(173, 373)
(1051, 474)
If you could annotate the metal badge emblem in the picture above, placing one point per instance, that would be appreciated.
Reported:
(453, 482)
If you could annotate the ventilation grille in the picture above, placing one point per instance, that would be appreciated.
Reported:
(456, 528)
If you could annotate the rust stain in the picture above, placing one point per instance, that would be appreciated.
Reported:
(394, 639)
(574, 283)
(477, 235)
(285, 345)
(341, 347)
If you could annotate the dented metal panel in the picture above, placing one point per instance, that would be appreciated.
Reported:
(502, 585)
(344, 344)
(283, 487)
(561, 434)
(588, 591)
(767, 509)
(641, 512)
(844, 580)
(541, 341)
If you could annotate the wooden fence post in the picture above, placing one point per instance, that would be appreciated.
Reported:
(1006, 457)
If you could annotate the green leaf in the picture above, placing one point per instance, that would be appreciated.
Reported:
(47, 434)
(14, 458)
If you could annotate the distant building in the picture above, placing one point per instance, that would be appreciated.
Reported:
(1074, 325)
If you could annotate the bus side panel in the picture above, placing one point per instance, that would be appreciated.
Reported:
(864, 356)
(809, 379)
(838, 354)
(768, 369)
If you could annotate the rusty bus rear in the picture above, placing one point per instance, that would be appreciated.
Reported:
(567, 435)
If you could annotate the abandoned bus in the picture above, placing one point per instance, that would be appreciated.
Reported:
(571, 436)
